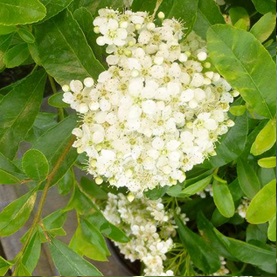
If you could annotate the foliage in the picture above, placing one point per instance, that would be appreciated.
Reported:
(54, 42)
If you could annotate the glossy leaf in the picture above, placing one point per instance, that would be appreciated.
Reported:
(269, 162)
(240, 17)
(263, 206)
(263, 6)
(264, 27)
(16, 55)
(143, 5)
(231, 145)
(56, 101)
(85, 19)
(208, 14)
(89, 241)
(17, 212)
(21, 270)
(92, 189)
(32, 253)
(223, 199)
(54, 7)
(18, 111)
(246, 65)
(5, 42)
(202, 255)
(68, 262)
(9, 171)
(4, 30)
(185, 10)
(256, 232)
(35, 164)
(66, 183)
(60, 41)
(8, 178)
(237, 110)
(25, 34)
(55, 220)
(248, 253)
(248, 179)
(198, 186)
(207, 232)
(21, 12)
(265, 139)
(271, 232)
(106, 228)
(4, 266)
(52, 144)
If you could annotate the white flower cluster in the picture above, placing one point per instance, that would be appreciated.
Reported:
(156, 111)
(223, 271)
(150, 228)
(242, 208)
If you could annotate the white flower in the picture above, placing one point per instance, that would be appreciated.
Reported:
(157, 108)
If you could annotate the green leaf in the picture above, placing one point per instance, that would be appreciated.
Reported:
(198, 186)
(248, 253)
(92, 189)
(256, 233)
(156, 193)
(21, 270)
(21, 12)
(43, 122)
(66, 183)
(242, 60)
(263, 206)
(52, 144)
(264, 27)
(208, 14)
(32, 253)
(80, 202)
(81, 245)
(223, 199)
(69, 263)
(9, 171)
(202, 255)
(53, 224)
(143, 5)
(16, 55)
(60, 41)
(8, 178)
(271, 231)
(106, 228)
(231, 145)
(35, 164)
(25, 34)
(54, 7)
(265, 139)
(206, 229)
(5, 42)
(248, 179)
(18, 111)
(269, 162)
(56, 100)
(16, 212)
(240, 17)
(4, 266)
(264, 7)
(185, 10)
(237, 110)
(4, 30)
(85, 19)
